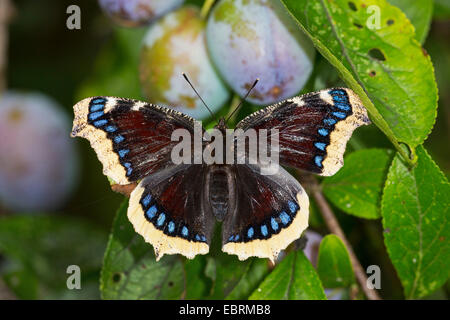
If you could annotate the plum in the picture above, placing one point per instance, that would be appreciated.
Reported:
(38, 160)
(175, 45)
(135, 13)
(249, 39)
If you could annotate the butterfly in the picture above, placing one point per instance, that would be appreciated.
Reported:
(175, 206)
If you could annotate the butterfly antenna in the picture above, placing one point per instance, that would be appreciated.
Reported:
(198, 95)
(242, 100)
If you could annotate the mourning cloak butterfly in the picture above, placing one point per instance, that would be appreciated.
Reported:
(174, 207)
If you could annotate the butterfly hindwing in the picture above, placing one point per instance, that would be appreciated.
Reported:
(132, 139)
(270, 212)
(313, 128)
(167, 209)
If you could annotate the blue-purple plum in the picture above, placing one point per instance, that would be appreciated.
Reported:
(250, 39)
(175, 45)
(135, 13)
(38, 160)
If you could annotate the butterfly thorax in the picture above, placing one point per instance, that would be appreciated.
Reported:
(222, 126)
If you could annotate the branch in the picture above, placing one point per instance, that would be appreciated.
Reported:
(5, 14)
(333, 225)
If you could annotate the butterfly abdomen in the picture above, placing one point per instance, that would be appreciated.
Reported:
(219, 196)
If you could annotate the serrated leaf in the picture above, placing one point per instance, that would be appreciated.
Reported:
(419, 12)
(388, 63)
(415, 208)
(333, 264)
(357, 187)
(294, 278)
(42, 247)
(130, 269)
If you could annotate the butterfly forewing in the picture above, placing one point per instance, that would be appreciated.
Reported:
(132, 139)
(313, 128)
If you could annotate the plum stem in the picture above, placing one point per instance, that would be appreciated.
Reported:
(207, 5)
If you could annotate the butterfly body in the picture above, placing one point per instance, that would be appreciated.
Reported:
(175, 206)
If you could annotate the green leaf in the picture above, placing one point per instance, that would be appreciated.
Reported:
(419, 12)
(386, 65)
(255, 271)
(130, 270)
(42, 247)
(357, 187)
(294, 279)
(333, 264)
(232, 278)
(198, 285)
(415, 209)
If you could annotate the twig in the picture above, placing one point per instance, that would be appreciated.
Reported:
(5, 14)
(333, 225)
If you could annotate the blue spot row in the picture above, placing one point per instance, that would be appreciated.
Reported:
(284, 218)
(151, 213)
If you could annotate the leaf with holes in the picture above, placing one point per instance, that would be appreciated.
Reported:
(372, 45)
(130, 270)
(357, 187)
(415, 209)
(419, 12)
(333, 264)
(294, 278)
